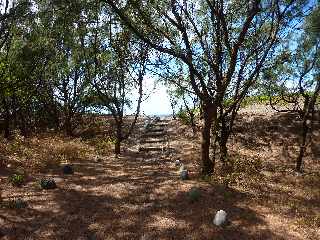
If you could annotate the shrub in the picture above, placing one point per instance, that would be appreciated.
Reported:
(194, 194)
(47, 184)
(240, 170)
(71, 151)
(61, 152)
(103, 144)
(17, 180)
(17, 204)
(184, 116)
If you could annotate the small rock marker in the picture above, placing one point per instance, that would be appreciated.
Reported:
(220, 218)
(47, 184)
(67, 169)
(184, 174)
(178, 163)
(182, 167)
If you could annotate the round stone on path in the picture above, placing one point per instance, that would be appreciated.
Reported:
(220, 218)
(58, 179)
(184, 174)
(48, 184)
(182, 167)
(67, 169)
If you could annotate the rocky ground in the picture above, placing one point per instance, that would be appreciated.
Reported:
(139, 195)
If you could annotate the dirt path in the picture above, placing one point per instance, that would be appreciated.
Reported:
(135, 196)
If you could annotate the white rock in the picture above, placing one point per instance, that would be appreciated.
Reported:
(178, 163)
(182, 168)
(220, 218)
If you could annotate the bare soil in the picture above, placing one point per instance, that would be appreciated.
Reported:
(139, 195)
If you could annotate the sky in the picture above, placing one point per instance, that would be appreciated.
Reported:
(156, 101)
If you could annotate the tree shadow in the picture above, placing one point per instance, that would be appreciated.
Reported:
(134, 196)
(130, 198)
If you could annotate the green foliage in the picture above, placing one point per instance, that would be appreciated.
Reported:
(103, 144)
(194, 194)
(184, 116)
(261, 99)
(312, 24)
(17, 204)
(17, 180)
(107, 143)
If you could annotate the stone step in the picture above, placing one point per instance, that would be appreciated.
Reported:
(151, 149)
(155, 130)
(160, 124)
(153, 135)
(153, 140)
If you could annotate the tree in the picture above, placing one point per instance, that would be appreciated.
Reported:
(181, 95)
(118, 69)
(296, 78)
(6, 14)
(12, 18)
(223, 45)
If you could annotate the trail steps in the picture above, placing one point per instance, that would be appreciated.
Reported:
(154, 137)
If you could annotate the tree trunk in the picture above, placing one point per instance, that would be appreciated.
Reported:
(173, 111)
(223, 150)
(117, 147)
(193, 124)
(6, 119)
(191, 116)
(67, 121)
(23, 123)
(208, 116)
(302, 145)
(223, 143)
(68, 126)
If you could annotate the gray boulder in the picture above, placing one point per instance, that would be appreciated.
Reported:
(184, 175)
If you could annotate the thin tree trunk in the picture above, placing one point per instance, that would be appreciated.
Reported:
(23, 123)
(6, 119)
(223, 150)
(223, 142)
(302, 145)
(208, 116)
(191, 116)
(68, 125)
(173, 111)
(117, 146)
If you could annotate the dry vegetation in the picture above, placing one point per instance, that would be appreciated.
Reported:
(139, 196)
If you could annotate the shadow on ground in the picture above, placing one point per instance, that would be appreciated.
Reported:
(131, 198)
(134, 196)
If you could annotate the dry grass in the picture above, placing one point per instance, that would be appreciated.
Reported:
(42, 152)
(139, 195)
(263, 150)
